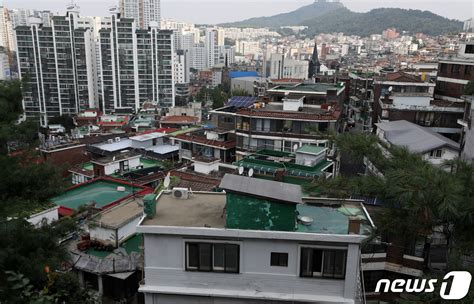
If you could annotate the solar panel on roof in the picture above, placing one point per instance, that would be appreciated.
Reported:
(241, 101)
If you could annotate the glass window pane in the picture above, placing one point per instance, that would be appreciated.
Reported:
(193, 256)
(205, 257)
(231, 258)
(306, 262)
(279, 259)
(219, 251)
(317, 261)
(328, 263)
(339, 263)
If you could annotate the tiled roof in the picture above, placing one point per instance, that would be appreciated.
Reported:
(291, 115)
(203, 140)
(196, 182)
(179, 119)
(402, 77)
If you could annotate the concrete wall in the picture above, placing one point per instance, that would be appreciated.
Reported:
(49, 216)
(309, 159)
(108, 235)
(407, 101)
(206, 168)
(146, 144)
(447, 154)
(112, 167)
(128, 230)
(165, 269)
(104, 235)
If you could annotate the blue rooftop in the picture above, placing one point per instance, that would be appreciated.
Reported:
(238, 74)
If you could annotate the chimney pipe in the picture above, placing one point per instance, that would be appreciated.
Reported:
(354, 225)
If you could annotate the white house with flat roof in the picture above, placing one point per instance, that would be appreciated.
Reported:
(258, 242)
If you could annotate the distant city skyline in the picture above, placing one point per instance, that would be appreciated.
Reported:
(219, 11)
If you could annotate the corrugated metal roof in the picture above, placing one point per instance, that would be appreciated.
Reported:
(415, 138)
(265, 189)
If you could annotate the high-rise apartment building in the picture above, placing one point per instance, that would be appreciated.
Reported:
(136, 65)
(4, 65)
(142, 11)
(181, 67)
(57, 64)
(6, 30)
(213, 41)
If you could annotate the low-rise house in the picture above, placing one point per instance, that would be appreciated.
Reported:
(179, 121)
(259, 242)
(303, 166)
(99, 194)
(316, 94)
(90, 117)
(433, 147)
(284, 126)
(467, 139)
(155, 144)
(207, 144)
(401, 96)
(114, 226)
(193, 109)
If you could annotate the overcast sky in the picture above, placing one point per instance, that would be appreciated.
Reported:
(216, 11)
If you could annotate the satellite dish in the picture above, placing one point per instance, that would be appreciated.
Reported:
(390, 89)
(241, 170)
(295, 147)
(250, 172)
(166, 182)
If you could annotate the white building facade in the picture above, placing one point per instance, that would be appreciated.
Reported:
(63, 84)
(142, 11)
(136, 66)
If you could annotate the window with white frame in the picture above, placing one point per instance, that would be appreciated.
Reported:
(436, 153)
(212, 257)
(328, 263)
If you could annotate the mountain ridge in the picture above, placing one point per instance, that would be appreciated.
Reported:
(330, 17)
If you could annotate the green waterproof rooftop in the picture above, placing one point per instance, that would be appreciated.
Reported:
(332, 220)
(269, 162)
(182, 131)
(100, 192)
(309, 149)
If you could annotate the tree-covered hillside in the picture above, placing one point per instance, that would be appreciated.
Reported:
(330, 17)
(377, 20)
(292, 18)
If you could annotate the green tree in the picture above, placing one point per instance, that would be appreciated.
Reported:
(417, 196)
(469, 89)
(239, 92)
(32, 264)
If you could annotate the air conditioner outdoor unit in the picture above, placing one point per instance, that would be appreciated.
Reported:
(181, 193)
(117, 139)
(110, 141)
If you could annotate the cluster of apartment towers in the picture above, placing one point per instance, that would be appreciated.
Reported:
(114, 63)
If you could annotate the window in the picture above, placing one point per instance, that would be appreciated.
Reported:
(436, 153)
(208, 257)
(326, 263)
(455, 68)
(467, 70)
(279, 259)
(443, 67)
(124, 166)
(469, 49)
